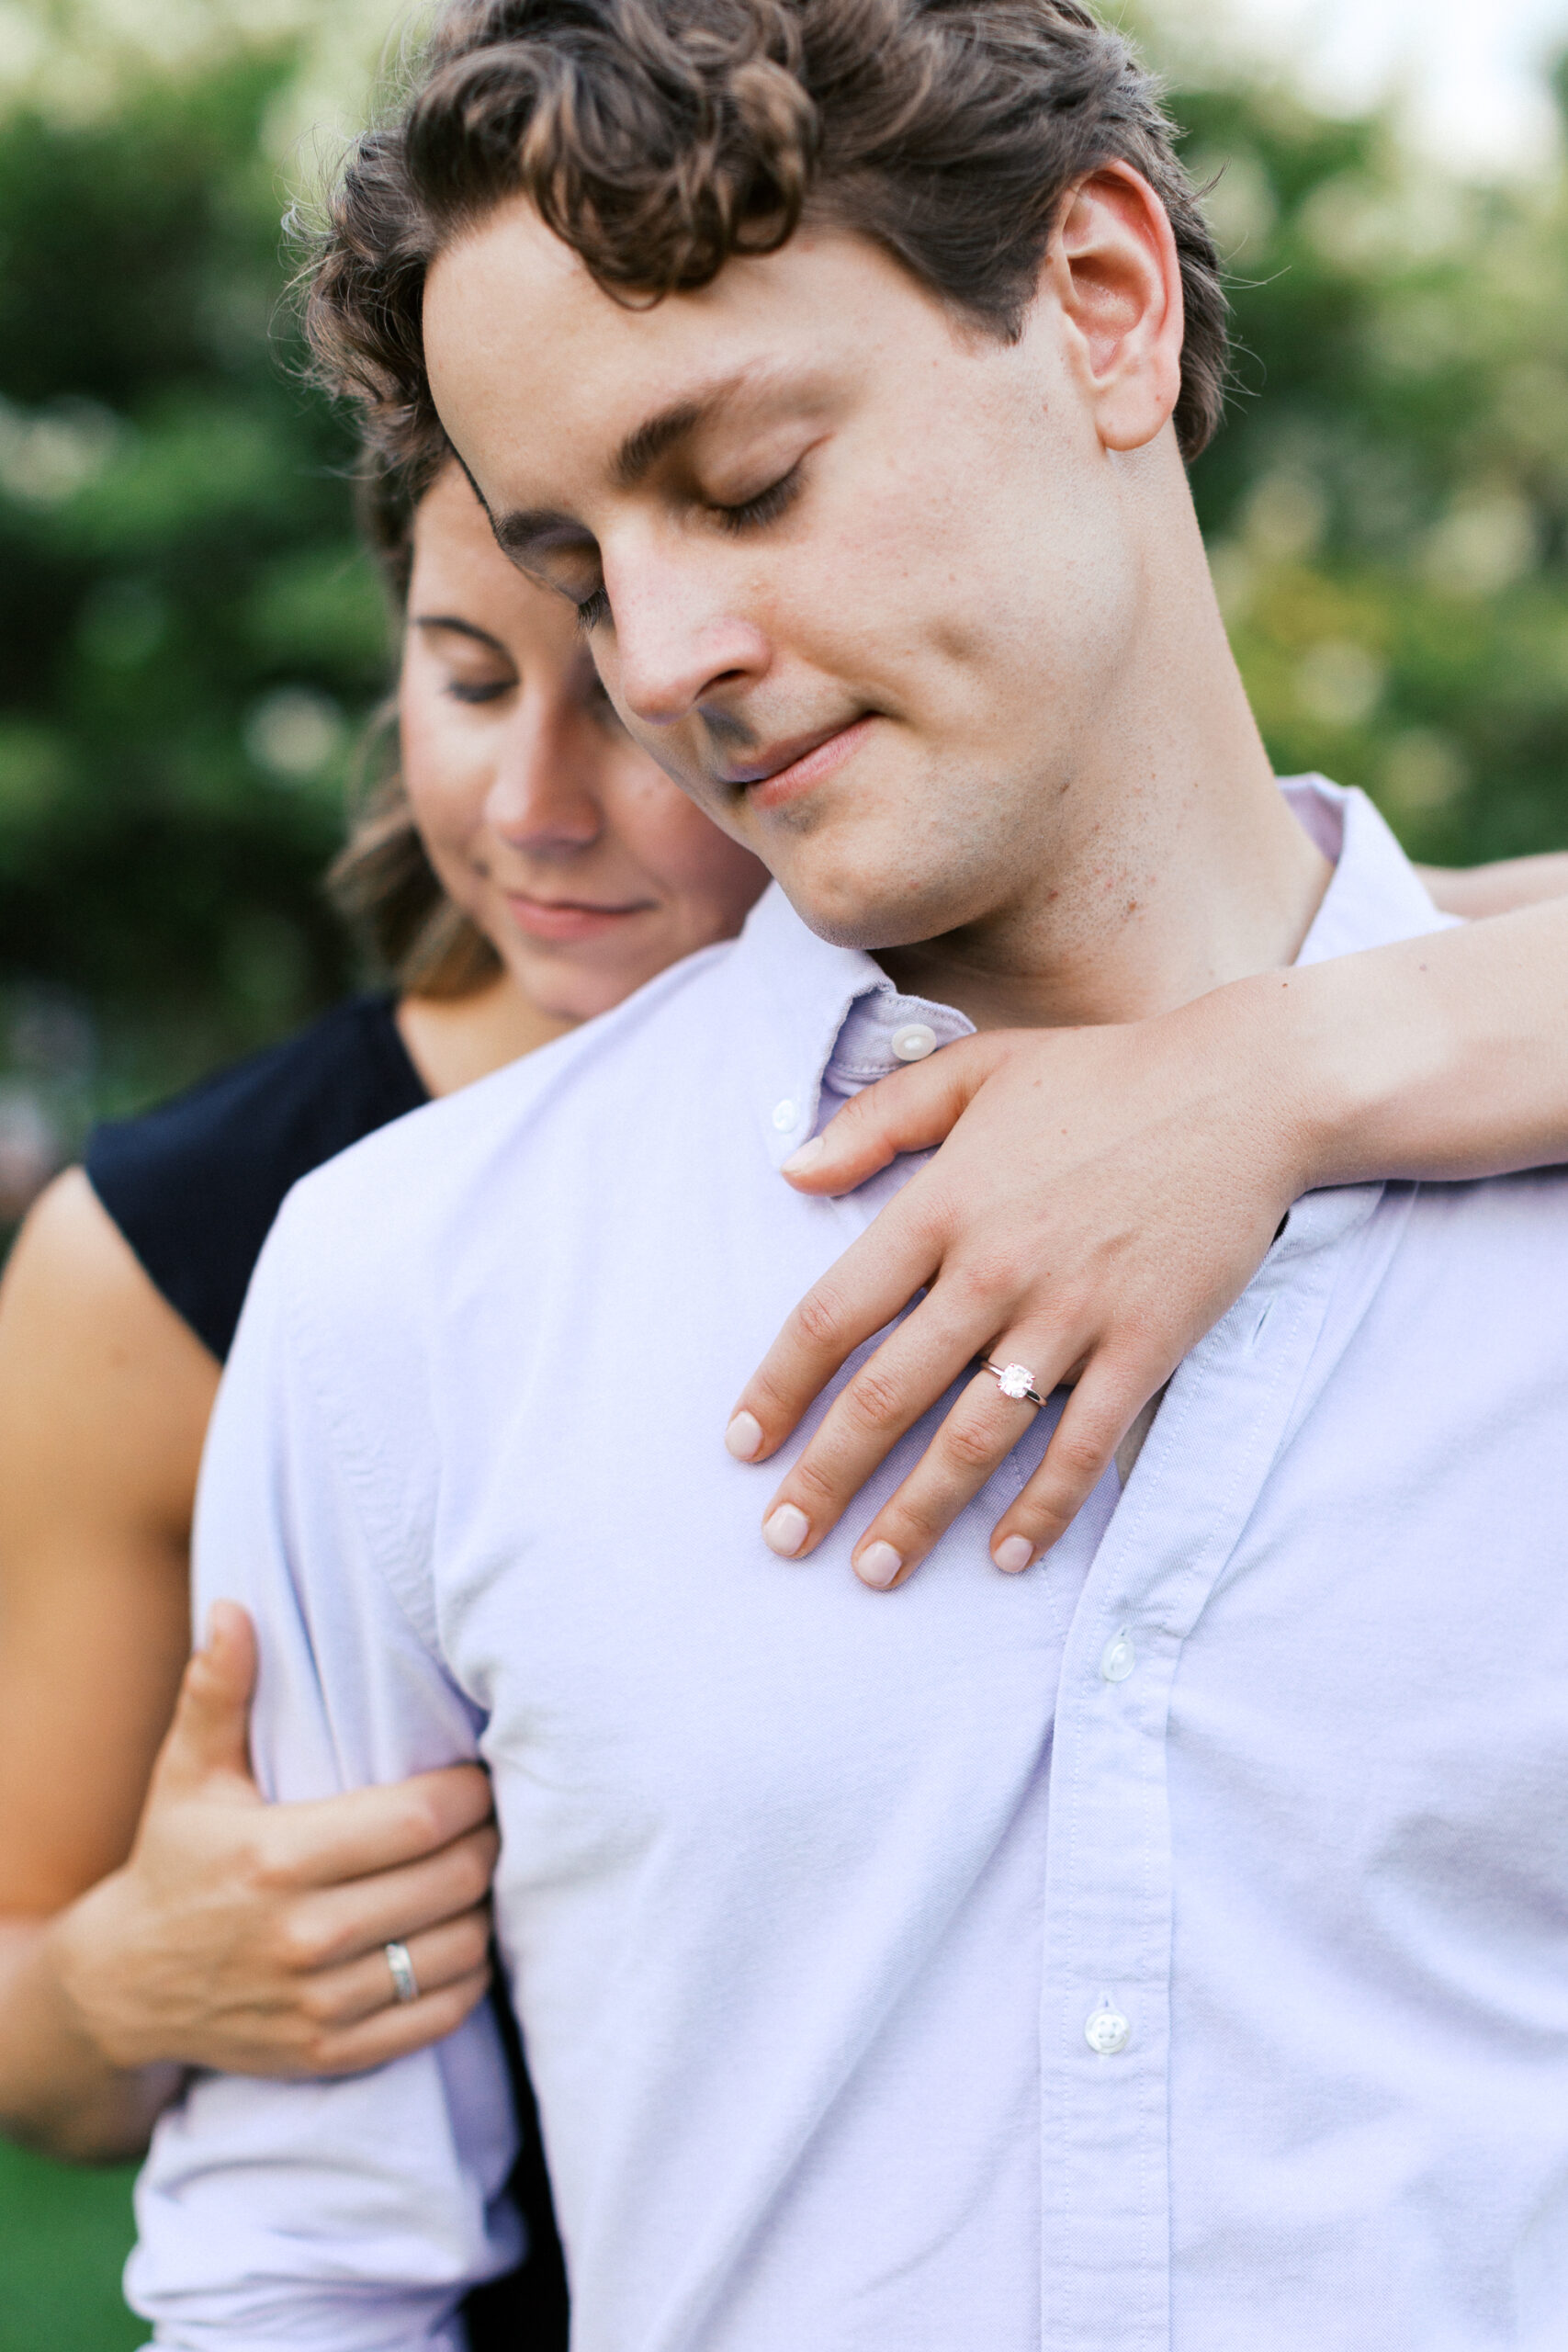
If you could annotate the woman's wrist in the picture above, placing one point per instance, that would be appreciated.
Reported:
(1316, 1063)
(1282, 1088)
(60, 2093)
(79, 1942)
(1333, 1068)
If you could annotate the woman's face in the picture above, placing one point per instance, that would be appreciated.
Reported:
(578, 858)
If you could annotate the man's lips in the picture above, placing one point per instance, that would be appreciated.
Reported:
(568, 919)
(794, 768)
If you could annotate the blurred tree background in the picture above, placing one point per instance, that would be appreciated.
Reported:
(188, 637)
(190, 642)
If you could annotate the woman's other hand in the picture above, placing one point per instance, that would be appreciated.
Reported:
(1102, 1197)
(251, 1938)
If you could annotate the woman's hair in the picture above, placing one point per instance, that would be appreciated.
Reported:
(657, 138)
(381, 880)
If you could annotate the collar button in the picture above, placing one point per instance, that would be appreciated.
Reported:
(914, 1041)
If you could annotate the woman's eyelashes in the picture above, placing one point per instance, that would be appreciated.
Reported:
(593, 609)
(477, 690)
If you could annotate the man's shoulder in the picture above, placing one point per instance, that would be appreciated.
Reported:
(1484, 1265)
(1528, 1209)
(395, 1205)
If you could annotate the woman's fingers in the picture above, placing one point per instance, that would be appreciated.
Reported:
(910, 1110)
(336, 1924)
(326, 1840)
(209, 1736)
(882, 1269)
(873, 1282)
(974, 1440)
(1097, 1416)
(390, 2033)
(915, 1365)
(1114, 1188)
(439, 1956)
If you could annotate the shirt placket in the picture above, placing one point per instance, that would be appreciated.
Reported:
(1105, 2012)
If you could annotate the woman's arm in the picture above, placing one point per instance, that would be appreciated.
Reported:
(1476, 891)
(1103, 1195)
(220, 1931)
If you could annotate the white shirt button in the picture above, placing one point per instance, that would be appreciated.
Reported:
(914, 1041)
(1119, 1657)
(784, 1115)
(1106, 2031)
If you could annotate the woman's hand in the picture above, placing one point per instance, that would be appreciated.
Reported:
(251, 1938)
(1102, 1197)
(1105, 1195)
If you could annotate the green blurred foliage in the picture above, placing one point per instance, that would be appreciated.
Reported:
(189, 638)
(1387, 506)
(188, 634)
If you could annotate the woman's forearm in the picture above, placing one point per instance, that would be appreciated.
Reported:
(1475, 892)
(59, 2093)
(1441, 1058)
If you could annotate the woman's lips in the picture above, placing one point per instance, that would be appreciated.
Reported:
(566, 919)
(808, 767)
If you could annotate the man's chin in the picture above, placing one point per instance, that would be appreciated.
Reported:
(869, 918)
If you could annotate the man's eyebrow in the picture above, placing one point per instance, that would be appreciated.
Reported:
(647, 442)
(463, 629)
(527, 532)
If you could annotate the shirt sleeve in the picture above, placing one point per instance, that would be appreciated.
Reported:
(350, 2215)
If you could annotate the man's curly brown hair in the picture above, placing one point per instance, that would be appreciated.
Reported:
(657, 137)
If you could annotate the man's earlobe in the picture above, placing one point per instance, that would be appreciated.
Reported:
(1119, 281)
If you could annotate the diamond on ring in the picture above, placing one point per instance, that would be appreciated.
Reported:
(1014, 1380)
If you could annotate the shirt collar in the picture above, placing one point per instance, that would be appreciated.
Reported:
(1375, 896)
(828, 1019)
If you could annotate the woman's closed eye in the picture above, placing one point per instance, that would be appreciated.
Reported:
(476, 666)
(479, 690)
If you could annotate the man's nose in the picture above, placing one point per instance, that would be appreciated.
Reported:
(677, 647)
(543, 795)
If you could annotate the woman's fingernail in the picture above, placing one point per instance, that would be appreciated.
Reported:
(1013, 1552)
(806, 1157)
(743, 1438)
(878, 1564)
(785, 1529)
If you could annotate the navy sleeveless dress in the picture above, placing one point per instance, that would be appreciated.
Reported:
(194, 1186)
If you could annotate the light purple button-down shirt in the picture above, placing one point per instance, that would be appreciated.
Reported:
(1166, 1948)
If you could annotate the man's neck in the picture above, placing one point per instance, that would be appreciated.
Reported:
(1179, 868)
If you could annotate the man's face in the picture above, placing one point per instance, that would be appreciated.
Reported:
(862, 579)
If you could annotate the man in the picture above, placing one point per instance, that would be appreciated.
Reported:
(1164, 1946)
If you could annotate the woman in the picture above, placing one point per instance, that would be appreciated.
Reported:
(573, 871)
(237, 1937)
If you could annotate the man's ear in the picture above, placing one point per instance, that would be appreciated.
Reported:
(1113, 267)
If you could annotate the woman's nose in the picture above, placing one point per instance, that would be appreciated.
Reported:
(543, 794)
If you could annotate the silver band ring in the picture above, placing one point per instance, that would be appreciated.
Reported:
(405, 1984)
(1014, 1380)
